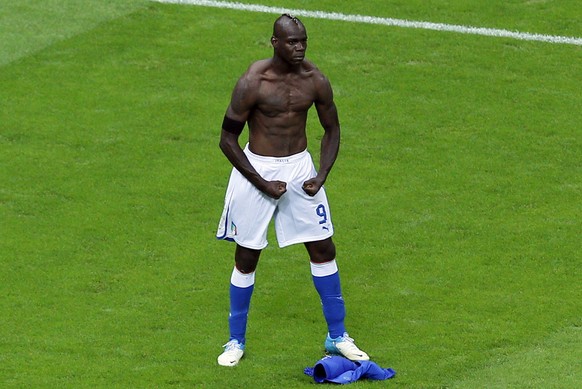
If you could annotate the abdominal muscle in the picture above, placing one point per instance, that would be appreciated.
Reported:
(278, 136)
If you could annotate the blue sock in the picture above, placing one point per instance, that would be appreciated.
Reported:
(327, 283)
(241, 290)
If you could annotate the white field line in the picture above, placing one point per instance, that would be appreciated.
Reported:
(383, 21)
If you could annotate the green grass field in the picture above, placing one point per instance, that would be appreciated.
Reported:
(456, 197)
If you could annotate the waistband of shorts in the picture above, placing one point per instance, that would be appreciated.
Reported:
(275, 160)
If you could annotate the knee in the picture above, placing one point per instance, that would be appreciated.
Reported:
(245, 267)
(321, 251)
(246, 260)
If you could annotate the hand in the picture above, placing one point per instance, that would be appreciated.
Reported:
(312, 186)
(275, 189)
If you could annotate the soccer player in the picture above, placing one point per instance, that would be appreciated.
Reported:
(274, 177)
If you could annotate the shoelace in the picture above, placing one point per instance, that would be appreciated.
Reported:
(233, 344)
(346, 338)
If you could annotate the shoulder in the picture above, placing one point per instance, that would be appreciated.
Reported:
(257, 69)
(250, 80)
(319, 81)
(315, 74)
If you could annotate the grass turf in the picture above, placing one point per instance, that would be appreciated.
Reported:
(455, 199)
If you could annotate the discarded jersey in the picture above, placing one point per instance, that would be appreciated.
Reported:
(340, 370)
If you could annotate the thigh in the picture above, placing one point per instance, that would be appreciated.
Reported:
(247, 213)
(302, 218)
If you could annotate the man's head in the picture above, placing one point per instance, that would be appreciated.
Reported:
(289, 39)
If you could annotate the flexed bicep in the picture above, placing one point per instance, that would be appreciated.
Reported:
(238, 111)
(325, 105)
(243, 99)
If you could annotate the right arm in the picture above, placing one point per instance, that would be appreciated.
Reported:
(243, 100)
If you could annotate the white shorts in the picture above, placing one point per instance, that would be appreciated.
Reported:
(298, 217)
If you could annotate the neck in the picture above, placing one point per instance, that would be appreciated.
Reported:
(285, 67)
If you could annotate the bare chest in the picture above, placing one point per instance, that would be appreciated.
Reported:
(285, 96)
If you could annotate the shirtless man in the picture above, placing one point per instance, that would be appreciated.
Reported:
(275, 177)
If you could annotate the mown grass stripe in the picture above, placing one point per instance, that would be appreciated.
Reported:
(499, 33)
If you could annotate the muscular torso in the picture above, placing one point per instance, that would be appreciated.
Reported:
(274, 98)
(278, 117)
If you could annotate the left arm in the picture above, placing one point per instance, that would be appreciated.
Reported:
(328, 117)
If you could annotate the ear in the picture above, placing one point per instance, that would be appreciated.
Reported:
(274, 41)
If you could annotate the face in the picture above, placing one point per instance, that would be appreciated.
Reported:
(290, 43)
